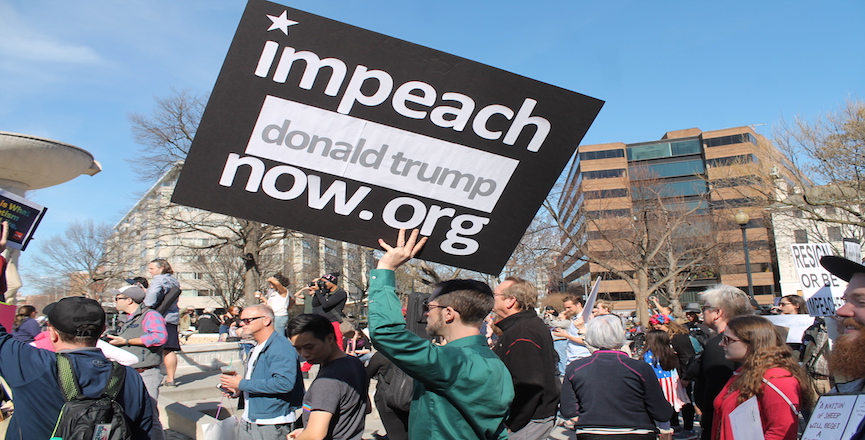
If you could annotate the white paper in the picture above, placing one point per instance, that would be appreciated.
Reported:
(856, 417)
(829, 419)
(590, 301)
(797, 324)
(745, 421)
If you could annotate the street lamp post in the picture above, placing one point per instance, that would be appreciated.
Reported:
(742, 219)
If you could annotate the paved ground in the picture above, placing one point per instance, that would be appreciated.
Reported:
(199, 390)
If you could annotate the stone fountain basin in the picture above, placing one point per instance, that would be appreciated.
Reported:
(40, 163)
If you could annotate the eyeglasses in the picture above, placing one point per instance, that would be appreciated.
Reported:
(246, 321)
(728, 340)
(705, 309)
(427, 307)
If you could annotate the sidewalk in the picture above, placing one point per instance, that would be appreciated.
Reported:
(198, 391)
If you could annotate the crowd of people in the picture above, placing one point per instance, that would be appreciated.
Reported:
(489, 366)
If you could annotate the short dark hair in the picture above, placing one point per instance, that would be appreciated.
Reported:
(88, 341)
(574, 299)
(472, 305)
(318, 325)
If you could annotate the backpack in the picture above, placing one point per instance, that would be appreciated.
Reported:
(86, 418)
(168, 300)
(400, 390)
(698, 347)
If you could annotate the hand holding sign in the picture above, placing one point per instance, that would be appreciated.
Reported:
(404, 250)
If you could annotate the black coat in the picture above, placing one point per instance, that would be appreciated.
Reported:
(526, 348)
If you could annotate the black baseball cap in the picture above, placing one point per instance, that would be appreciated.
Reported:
(76, 316)
(446, 287)
(841, 267)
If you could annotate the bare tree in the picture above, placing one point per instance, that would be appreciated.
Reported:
(820, 172)
(166, 134)
(653, 241)
(78, 256)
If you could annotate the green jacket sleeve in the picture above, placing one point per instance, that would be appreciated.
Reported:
(435, 366)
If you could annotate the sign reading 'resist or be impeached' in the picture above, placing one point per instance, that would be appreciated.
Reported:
(333, 130)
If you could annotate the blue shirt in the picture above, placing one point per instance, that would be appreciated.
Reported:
(32, 374)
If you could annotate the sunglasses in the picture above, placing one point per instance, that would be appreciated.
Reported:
(246, 321)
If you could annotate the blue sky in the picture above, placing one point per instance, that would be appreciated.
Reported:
(73, 71)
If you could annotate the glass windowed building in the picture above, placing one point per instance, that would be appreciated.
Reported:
(707, 176)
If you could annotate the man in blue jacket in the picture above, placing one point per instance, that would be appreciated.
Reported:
(75, 324)
(272, 387)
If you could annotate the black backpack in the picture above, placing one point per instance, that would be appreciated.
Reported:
(399, 390)
(85, 418)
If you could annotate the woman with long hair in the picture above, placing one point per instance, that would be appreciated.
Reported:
(769, 372)
(660, 355)
(792, 305)
(685, 347)
(25, 327)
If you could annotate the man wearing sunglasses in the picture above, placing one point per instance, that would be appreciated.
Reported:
(272, 387)
(142, 334)
(462, 389)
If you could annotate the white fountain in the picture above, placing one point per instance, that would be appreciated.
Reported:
(29, 162)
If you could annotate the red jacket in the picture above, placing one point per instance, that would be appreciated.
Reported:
(779, 421)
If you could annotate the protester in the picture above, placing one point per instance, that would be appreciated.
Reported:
(695, 326)
(272, 387)
(576, 330)
(186, 319)
(387, 390)
(336, 403)
(685, 346)
(602, 307)
(163, 281)
(792, 305)
(279, 300)
(614, 396)
(768, 372)
(558, 321)
(659, 353)
(357, 344)
(849, 350)
(4, 235)
(722, 303)
(228, 323)
(462, 389)
(75, 324)
(143, 334)
(526, 348)
(26, 328)
(208, 322)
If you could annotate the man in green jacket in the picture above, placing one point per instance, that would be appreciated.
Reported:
(462, 389)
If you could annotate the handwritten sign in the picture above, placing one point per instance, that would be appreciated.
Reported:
(23, 217)
(835, 417)
(823, 292)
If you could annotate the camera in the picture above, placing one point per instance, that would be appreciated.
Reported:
(322, 285)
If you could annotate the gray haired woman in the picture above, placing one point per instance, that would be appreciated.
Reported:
(610, 393)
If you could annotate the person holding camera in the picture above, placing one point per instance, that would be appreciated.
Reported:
(142, 334)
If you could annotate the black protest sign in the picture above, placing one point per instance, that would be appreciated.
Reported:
(337, 131)
(23, 217)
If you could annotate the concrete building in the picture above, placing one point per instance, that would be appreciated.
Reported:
(707, 176)
(193, 242)
(791, 226)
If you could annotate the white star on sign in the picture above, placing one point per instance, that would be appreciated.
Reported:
(282, 22)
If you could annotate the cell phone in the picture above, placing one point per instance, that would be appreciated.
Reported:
(226, 390)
